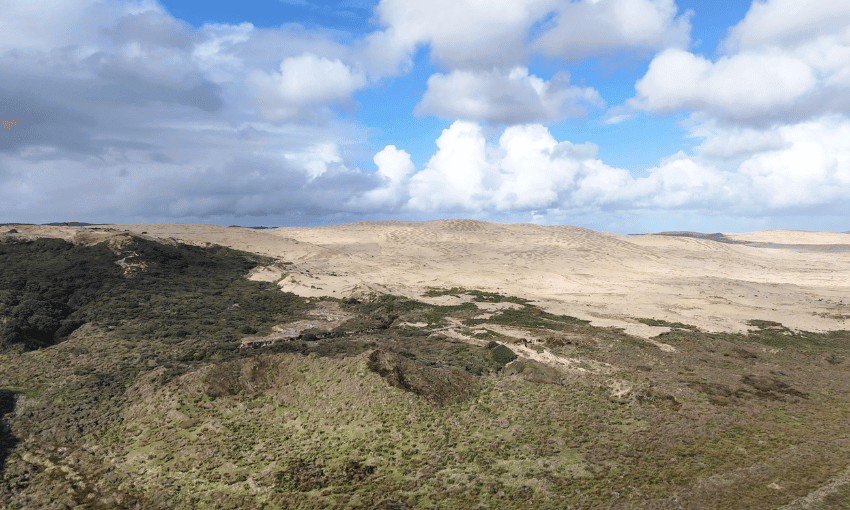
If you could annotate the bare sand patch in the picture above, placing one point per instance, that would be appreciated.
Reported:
(793, 237)
(325, 317)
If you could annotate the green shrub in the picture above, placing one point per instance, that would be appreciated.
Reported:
(502, 354)
(51, 287)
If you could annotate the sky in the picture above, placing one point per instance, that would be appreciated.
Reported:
(624, 116)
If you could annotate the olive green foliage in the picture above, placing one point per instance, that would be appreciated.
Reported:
(49, 287)
(767, 325)
(381, 317)
(774, 334)
(438, 385)
(386, 309)
(500, 353)
(674, 325)
(530, 317)
(478, 296)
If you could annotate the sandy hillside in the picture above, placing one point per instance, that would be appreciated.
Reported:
(609, 279)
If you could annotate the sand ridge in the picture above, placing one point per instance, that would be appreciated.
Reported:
(606, 278)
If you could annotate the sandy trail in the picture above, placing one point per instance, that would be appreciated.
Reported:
(608, 279)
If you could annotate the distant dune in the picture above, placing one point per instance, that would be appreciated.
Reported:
(715, 281)
(782, 239)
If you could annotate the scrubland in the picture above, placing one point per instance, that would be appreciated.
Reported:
(145, 373)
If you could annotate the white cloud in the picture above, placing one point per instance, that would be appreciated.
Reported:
(464, 33)
(455, 177)
(125, 112)
(303, 82)
(394, 170)
(730, 142)
(512, 97)
(527, 170)
(316, 159)
(786, 61)
(772, 113)
(471, 34)
(816, 32)
(393, 164)
(738, 86)
(811, 167)
(788, 23)
(604, 26)
(681, 182)
(383, 53)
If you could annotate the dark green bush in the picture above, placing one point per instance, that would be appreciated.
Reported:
(502, 354)
(34, 322)
(49, 288)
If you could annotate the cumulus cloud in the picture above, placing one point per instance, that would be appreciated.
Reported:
(303, 83)
(512, 97)
(586, 28)
(394, 170)
(681, 182)
(772, 111)
(811, 167)
(738, 86)
(528, 170)
(785, 62)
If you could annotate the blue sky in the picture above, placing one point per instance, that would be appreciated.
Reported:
(618, 115)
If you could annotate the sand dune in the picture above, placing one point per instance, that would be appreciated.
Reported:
(794, 237)
(606, 278)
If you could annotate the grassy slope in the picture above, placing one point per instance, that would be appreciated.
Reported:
(151, 404)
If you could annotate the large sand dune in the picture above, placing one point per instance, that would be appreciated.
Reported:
(609, 279)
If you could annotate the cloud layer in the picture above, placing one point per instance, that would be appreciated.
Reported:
(124, 112)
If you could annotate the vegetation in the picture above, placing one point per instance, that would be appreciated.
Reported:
(478, 296)
(50, 287)
(530, 317)
(500, 353)
(673, 325)
(146, 400)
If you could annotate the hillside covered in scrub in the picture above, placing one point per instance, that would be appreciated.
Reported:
(140, 372)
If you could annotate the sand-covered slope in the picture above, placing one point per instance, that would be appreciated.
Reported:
(609, 279)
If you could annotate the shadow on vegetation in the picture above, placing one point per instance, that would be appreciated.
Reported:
(8, 441)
